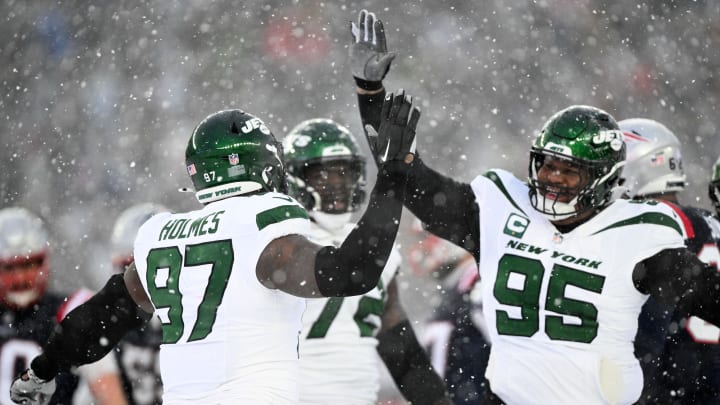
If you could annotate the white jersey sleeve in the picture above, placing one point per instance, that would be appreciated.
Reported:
(562, 309)
(226, 337)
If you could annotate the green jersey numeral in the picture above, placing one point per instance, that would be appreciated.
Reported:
(366, 306)
(528, 300)
(165, 293)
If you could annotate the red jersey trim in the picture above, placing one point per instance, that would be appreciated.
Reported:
(689, 230)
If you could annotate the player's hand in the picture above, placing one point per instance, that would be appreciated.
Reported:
(29, 389)
(395, 140)
(369, 58)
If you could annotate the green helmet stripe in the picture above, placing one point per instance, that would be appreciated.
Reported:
(279, 214)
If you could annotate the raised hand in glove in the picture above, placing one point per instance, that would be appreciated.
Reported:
(369, 58)
(29, 389)
(395, 139)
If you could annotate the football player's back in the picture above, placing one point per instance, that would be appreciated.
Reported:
(200, 273)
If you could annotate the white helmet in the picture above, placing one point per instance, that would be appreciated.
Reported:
(654, 161)
(24, 268)
(125, 230)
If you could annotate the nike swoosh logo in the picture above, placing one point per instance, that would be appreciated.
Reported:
(284, 198)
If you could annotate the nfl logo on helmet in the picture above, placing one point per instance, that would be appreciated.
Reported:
(234, 159)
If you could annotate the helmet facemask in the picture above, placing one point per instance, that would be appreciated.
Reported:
(555, 200)
(24, 264)
(558, 202)
(23, 280)
(335, 186)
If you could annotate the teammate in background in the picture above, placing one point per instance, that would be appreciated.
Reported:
(29, 313)
(714, 187)
(228, 281)
(326, 174)
(679, 354)
(565, 267)
(137, 352)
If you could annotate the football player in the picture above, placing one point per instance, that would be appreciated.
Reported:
(29, 312)
(679, 354)
(137, 352)
(456, 333)
(326, 174)
(565, 266)
(229, 281)
(714, 187)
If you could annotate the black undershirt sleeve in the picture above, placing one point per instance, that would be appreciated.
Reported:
(91, 330)
(370, 107)
(356, 265)
(677, 278)
(446, 207)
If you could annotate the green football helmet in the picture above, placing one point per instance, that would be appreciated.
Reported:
(318, 143)
(714, 186)
(591, 140)
(233, 153)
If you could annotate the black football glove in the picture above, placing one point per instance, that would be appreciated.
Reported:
(395, 139)
(369, 58)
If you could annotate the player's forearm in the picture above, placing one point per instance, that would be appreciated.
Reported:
(677, 278)
(91, 330)
(409, 366)
(355, 267)
(370, 105)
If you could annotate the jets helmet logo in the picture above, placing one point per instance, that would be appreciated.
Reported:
(254, 123)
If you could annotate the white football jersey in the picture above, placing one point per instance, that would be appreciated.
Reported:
(226, 337)
(562, 309)
(338, 360)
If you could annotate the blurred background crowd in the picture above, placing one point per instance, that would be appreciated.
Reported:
(99, 98)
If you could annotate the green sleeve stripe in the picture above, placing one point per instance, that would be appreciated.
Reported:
(279, 214)
(496, 179)
(647, 218)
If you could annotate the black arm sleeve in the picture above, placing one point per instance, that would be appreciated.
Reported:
(409, 366)
(355, 267)
(676, 277)
(446, 207)
(91, 330)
